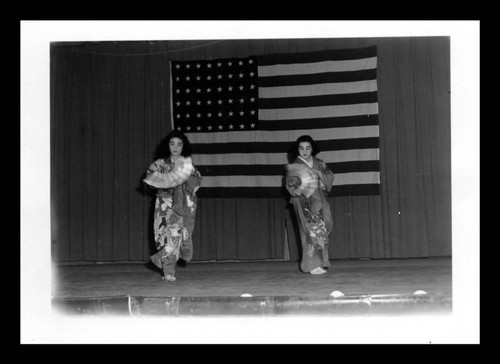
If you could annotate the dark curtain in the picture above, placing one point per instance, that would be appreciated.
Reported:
(110, 109)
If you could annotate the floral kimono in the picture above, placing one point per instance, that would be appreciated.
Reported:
(174, 218)
(314, 216)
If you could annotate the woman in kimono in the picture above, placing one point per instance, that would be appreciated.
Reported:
(176, 181)
(308, 180)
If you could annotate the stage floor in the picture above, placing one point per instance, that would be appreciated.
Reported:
(274, 286)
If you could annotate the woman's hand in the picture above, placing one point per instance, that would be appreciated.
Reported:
(164, 168)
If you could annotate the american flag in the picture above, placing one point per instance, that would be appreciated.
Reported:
(242, 115)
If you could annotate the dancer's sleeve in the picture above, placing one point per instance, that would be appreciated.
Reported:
(327, 176)
(194, 181)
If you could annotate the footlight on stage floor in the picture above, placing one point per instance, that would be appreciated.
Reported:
(256, 305)
(375, 287)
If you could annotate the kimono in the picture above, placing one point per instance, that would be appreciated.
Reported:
(174, 218)
(314, 215)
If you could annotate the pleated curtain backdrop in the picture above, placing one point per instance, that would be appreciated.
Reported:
(110, 108)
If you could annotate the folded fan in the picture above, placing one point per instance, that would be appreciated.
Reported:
(308, 179)
(177, 176)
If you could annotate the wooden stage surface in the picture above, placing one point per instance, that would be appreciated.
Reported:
(264, 280)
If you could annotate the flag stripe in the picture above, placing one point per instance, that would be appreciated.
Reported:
(320, 100)
(317, 78)
(283, 147)
(230, 159)
(320, 123)
(319, 89)
(281, 193)
(310, 68)
(277, 181)
(284, 135)
(279, 169)
(319, 111)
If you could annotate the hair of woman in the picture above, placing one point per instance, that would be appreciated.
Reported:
(294, 151)
(163, 150)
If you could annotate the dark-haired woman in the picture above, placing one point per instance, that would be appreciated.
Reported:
(176, 181)
(309, 179)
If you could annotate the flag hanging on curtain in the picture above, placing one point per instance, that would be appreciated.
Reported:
(242, 115)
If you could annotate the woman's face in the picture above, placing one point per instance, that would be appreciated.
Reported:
(305, 150)
(175, 146)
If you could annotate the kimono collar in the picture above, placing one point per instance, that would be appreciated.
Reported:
(310, 163)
